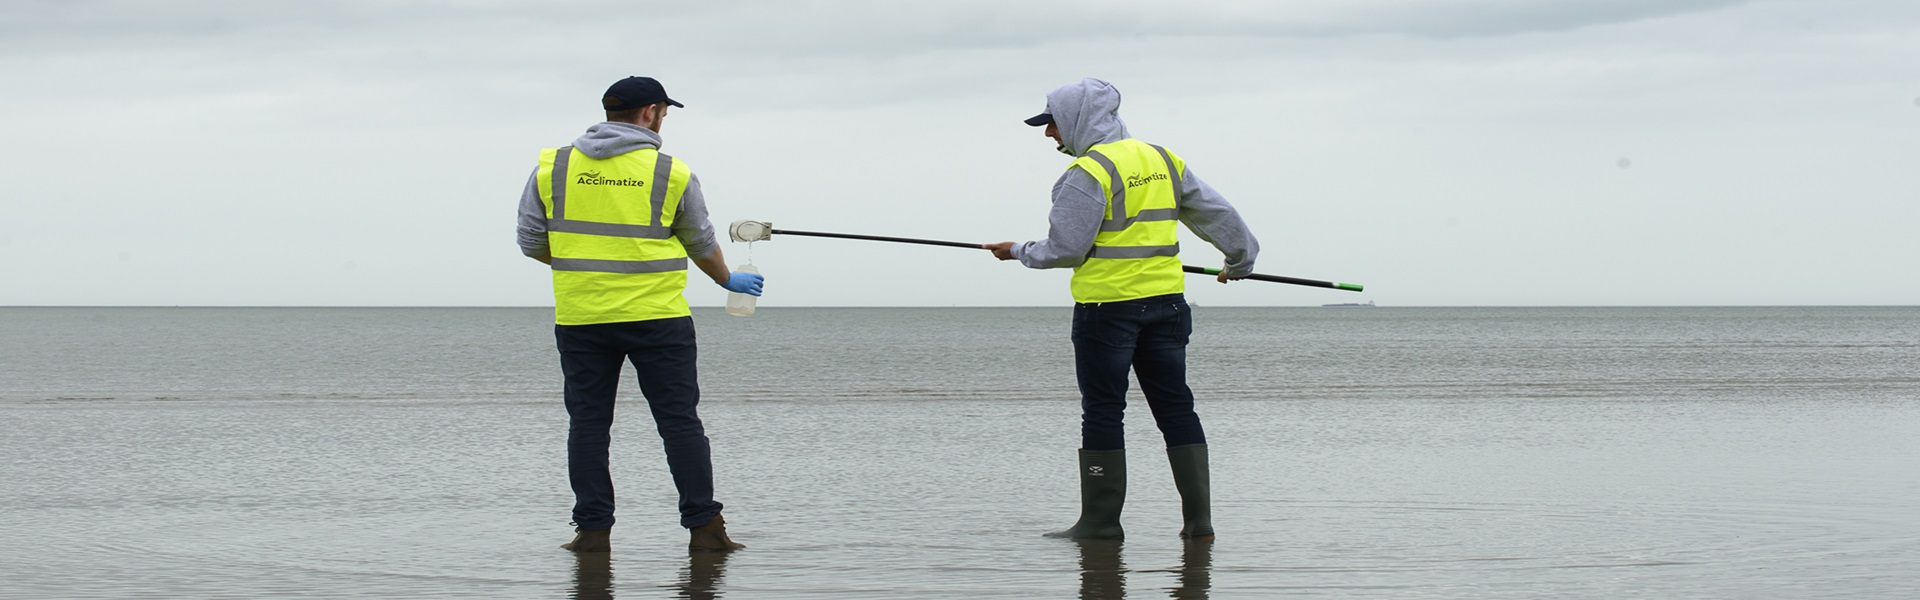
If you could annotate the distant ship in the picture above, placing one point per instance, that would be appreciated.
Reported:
(1367, 304)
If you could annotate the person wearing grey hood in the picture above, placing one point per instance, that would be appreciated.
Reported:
(1113, 222)
(618, 221)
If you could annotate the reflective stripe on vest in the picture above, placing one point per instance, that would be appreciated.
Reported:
(609, 225)
(656, 200)
(620, 266)
(1136, 253)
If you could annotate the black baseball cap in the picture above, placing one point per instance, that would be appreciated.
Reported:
(635, 92)
(1040, 119)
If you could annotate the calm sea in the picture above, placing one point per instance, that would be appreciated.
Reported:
(918, 453)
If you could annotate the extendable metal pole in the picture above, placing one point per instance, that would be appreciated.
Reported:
(881, 238)
(752, 231)
(1351, 287)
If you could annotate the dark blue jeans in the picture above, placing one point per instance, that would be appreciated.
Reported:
(664, 355)
(1149, 336)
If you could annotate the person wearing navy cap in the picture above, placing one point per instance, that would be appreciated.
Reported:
(618, 222)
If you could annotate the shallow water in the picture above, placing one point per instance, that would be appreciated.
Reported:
(888, 453)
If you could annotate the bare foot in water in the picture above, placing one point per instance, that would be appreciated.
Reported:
(712, 537)
(589, 541)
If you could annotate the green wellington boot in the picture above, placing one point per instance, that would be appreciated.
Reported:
(1103, 490)
(589, 540)
(712, 537)
(1189, 464)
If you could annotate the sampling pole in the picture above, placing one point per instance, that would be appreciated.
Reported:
(1351, 287)
(878, 238)
(753, 231)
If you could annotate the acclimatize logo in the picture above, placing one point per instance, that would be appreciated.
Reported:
(1137, 181)
(594, 178)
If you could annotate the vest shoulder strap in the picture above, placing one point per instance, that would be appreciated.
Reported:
(1173, 171)
(561, 156)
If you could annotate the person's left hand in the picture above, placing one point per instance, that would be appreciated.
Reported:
(744, 283)
(1223, 278)
(1002, 250)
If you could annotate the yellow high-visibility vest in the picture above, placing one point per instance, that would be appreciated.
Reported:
(609, 225)
(1137, 252)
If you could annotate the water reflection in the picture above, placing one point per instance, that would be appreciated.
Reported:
(1102, 575)
(702, 577)
(1196, 571)
(592, 576)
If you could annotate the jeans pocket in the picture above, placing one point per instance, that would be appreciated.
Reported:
(1183, 322)
(1081, 316)
(1117, 325)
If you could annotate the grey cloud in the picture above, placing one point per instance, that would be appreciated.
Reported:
(749, 56)
(819, 28)
(1474, 18)
(413, 122)
(912, 28)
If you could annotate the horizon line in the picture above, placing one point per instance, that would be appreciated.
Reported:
(716, 307)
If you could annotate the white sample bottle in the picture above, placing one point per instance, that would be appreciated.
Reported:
(738, 304)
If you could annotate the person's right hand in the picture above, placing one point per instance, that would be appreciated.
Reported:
(1002, 250)
(745, 283)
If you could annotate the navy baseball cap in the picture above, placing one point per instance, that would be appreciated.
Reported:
(1040, 119)
(635, 92)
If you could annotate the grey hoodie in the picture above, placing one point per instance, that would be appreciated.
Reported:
(609, 139)
(1088, 114)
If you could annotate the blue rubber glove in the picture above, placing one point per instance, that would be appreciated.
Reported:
(744, 283)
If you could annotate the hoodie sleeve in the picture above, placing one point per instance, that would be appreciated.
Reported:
(1208, 215)
(691, 224)
(533, 219)
(1072, 224)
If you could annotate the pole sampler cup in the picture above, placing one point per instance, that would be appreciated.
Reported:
(750, 231)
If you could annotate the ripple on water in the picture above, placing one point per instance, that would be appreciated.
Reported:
(1541, 545)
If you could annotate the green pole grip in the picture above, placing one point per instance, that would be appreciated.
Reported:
(1350, 286)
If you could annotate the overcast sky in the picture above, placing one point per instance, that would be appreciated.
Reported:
(1441, 152)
